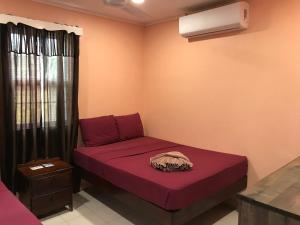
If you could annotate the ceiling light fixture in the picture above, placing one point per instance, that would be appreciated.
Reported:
(138, 1)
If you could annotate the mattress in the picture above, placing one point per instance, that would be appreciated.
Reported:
(12, 212)
(126, 165)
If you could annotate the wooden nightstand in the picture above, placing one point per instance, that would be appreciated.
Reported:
(48, 189)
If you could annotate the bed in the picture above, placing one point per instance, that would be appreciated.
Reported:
(168, 198)
(12, 212)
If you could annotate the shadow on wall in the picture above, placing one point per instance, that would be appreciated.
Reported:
(79, 139)
(252, 173)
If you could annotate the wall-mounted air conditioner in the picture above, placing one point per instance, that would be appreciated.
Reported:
(232, 17)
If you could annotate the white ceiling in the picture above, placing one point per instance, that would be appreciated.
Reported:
(152, 11)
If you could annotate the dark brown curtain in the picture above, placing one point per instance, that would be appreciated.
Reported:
(38, 96)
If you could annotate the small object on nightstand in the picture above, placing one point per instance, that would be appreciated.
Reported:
(36, 167)
(48, 165)
(45, 186)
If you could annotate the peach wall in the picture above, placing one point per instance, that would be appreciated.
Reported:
(110, 57)
(237, 94)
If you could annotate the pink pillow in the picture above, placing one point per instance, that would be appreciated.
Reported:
(99, 131)
(130, 126)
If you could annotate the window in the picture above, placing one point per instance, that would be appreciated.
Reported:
(39, 76)
(34, 88)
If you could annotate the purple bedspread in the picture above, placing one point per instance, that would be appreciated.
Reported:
(12, 212)
(126, 165)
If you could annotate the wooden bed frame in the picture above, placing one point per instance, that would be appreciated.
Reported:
(153, 212)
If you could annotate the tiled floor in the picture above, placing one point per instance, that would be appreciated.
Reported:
(93, 208)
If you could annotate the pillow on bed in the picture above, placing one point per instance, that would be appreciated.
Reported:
(130, 126)
(99, 131)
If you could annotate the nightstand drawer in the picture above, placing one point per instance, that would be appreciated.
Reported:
(45, 204)
(51, 184)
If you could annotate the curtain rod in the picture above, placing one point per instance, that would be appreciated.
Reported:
(39, 24)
